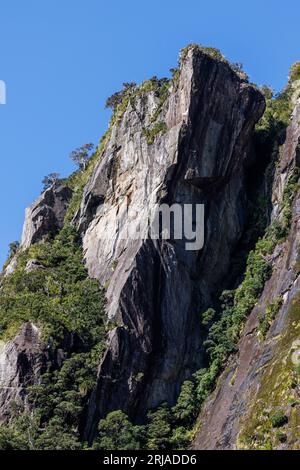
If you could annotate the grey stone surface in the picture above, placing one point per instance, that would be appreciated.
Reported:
(156, 288)
(46, 215)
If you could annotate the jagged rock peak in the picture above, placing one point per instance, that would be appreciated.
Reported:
(45, 217)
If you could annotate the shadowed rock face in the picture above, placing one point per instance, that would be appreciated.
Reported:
(256, 376)
(156, 288)
(20, 365)
(46, 215)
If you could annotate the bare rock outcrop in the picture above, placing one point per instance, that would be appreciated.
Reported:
(46, 215)
(156, 287)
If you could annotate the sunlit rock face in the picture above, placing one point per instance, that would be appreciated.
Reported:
(155, 288)
(46, 215)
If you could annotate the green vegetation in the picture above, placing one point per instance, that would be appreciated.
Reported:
(79, 178)
(64, 303)
(278, 419)
(13, 249)
(175, 71)
(223, 327)
(114, 265)
(116, 99)
(276, 118)
(214, 54)
(289, 192)
(207, 317)
(24, 432)
(68, 307)
(81, 156)
(164, 427)
(266, 320)
(60, 296)
(60, 299)
(130, 92)
(295, 72)
(153, 131)
(116, 432)
(162, 91)
(49, 180)
(211, 51)
(224, 334)
(120, 100)
(276, 403)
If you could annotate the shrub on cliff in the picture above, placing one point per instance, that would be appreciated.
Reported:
(278, 419)
(116, 98)
(116, 432)
(81, 155)
(49, 180)
(159, 428)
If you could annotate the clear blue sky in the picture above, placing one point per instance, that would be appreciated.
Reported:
(60, 59)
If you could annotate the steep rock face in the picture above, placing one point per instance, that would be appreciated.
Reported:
(46, 215)
(20, 365)
(257, 380)
(156, 288)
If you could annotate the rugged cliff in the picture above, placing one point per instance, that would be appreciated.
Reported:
(156, 287)
(256, 403)
(164, 335)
